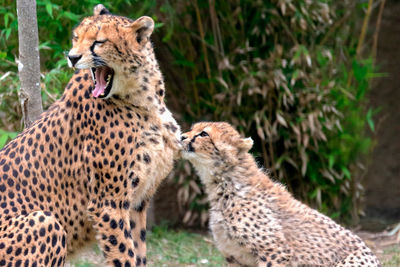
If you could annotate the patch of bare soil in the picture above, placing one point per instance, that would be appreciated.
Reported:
(386, 245)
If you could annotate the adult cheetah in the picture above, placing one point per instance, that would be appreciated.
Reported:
(255, 221)
(88, 166)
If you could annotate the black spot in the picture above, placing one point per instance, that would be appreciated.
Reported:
(143, 235)
(135, 181)
(42, 248)
(54, 240)
(141, 206)
(138, 261)
(117, 263)
(122, 247)
(42, 231)
(113, 240)
(126, 205)
(146, 158)
(6, 168)
(106, 218)
(113, 224)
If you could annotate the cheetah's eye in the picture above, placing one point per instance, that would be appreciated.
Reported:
(99, 42)
(203, 134)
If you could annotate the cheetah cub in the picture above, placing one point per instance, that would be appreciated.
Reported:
(255, 221)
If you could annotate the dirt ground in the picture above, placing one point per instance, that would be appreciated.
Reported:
(386, 245)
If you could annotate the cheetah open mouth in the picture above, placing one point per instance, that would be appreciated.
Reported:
(103, 79)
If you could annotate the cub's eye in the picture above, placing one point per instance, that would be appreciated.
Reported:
(203, 134)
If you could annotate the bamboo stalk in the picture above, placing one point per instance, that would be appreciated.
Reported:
(377, 28)
(334, 27)
(207, 64)
(362, 37)
(364, 28)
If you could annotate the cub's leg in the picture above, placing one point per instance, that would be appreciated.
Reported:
(280, 257)
(232, 262)
(35, 239)
(363, 257)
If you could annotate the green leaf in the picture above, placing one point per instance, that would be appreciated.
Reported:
(8, 32)
(6, 20)
(3, 140)
(331, 160)
(70, 15)
(49, 9)
(158, 25)
(12, 135)
(370, 121)
(3, 55)
(346, 172)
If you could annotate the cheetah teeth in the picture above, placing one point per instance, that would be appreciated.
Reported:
(93, 76)
(108, 79)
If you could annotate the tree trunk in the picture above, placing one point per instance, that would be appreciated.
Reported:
(29, 63)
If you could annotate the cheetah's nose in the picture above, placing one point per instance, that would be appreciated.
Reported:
(183, 137)
(74, 59)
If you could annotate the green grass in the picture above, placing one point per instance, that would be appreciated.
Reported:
(391, 256)
(165, 248)
(180, 248)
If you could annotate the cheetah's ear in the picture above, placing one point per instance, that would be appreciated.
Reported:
(143, 27)
(245, 144)
(100, 10)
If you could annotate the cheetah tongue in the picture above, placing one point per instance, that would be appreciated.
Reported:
(101, 83)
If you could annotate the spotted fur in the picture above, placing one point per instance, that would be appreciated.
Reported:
(255, 221)
(88, 166)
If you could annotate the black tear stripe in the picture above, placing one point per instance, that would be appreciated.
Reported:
(97, 60)
(194, 139)
(117, 49)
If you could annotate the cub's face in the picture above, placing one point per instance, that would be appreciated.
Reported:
(212, 144)
(109, 46)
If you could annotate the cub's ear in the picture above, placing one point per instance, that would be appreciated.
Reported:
(100, 10)
(245, 144)
(143, 28)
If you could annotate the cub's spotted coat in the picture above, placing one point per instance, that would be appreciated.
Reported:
(255, 221)
(89, 165)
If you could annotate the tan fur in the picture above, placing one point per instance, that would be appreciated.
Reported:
(255, 221)
(88, 166)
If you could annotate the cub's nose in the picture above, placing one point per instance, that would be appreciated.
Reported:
(183, 137)
(74, 59)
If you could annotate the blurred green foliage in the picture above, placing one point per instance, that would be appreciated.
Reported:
(282, 71)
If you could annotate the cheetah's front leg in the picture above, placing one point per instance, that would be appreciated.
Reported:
(138, 217)
(114, 233)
